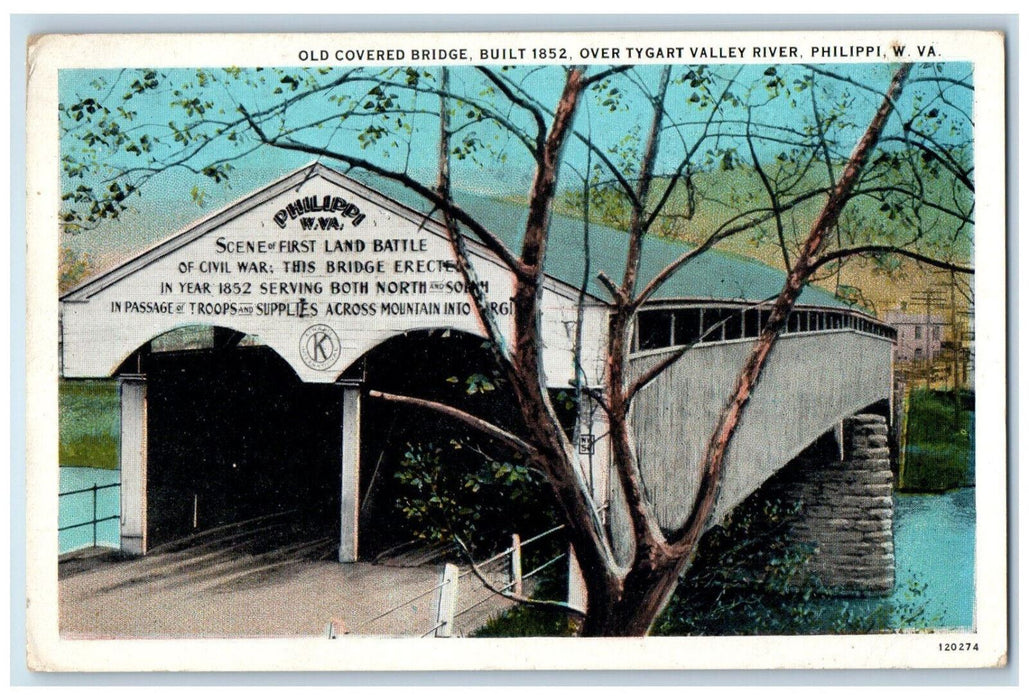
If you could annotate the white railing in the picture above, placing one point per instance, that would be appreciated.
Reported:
(496, 581)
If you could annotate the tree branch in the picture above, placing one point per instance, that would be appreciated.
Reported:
(723, 232)
(541, 127)
(457, 414)
(488, 238)
(664, 363)
(941, 153)
(772, 197)
(637, 221)
(483, 312)
(597, 77)
(684, 539)
(893, 250)
(504, 593)
(690, 152)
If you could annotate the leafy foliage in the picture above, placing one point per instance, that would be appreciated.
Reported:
(455, 490)
(73, 267)
(89, 420)
(749, 577)
(939, 454)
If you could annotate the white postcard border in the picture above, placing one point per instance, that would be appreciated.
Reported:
(51, 652)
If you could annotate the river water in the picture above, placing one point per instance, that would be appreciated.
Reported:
(78, 508)
(934, 543)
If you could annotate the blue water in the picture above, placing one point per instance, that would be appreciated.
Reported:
(934, 546)
(78, 508)
(934, 543)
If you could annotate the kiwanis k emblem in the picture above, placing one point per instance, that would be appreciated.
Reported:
(319, 347)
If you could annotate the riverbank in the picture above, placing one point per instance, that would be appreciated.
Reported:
(89, 423)
(938, 450)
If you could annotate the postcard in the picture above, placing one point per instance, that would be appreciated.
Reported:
(516, 351)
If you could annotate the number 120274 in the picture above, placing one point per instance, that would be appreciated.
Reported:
(959, 646)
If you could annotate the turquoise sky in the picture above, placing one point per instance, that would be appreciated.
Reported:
(167, 205)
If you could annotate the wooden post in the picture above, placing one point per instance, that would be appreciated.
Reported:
(94, 514)
(336, 628)
(576, 583)
(516, 564)
(350, 470)
(446, 602)
(133, 461)
(902, 438)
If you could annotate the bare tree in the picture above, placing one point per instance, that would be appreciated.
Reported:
(652, 181)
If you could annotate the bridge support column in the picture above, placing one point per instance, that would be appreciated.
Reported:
(350, 470)
(133, 458)
(594, 450)
(848, 509)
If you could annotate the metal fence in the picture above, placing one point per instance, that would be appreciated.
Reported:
(94, 521)
(500, 575)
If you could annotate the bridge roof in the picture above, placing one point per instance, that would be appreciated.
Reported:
(714, 276)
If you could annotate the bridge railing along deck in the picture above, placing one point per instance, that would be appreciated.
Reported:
(666, 327)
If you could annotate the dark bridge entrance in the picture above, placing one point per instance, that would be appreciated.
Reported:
(417, 458)
(234, 435)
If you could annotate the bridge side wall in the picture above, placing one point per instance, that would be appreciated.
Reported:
(846, 508)
(811, 383)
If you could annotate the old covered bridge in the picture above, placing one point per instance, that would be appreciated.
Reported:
(246, 344)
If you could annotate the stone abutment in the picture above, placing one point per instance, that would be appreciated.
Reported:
(846, 506)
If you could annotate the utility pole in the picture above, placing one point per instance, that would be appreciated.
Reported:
(932, 298)
(955, 343)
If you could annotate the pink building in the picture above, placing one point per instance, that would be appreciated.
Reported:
(919, 335)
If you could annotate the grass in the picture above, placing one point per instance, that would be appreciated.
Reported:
(89, 424)
(940, 442)
(526, 621)
(531, 620)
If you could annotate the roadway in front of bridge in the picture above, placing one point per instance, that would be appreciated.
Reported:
(224, 586)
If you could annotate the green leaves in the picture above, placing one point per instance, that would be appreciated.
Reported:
(608, 95)
(105, 203)
(371, 135)
(458, 490)
(478, 384)
(85, 107)
(193, 106)
(72, 268)
(148, 80)
(219, 172)
(292, 82)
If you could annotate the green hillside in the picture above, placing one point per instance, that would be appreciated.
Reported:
(89, 423)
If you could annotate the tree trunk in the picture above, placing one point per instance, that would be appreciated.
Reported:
(640, 599)
(656, 565)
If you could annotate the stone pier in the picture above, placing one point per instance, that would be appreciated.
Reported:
(847, 507)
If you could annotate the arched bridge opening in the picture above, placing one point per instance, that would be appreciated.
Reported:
(231, 435)
(425, 476)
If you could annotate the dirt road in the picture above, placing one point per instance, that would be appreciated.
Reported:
(222, 589)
